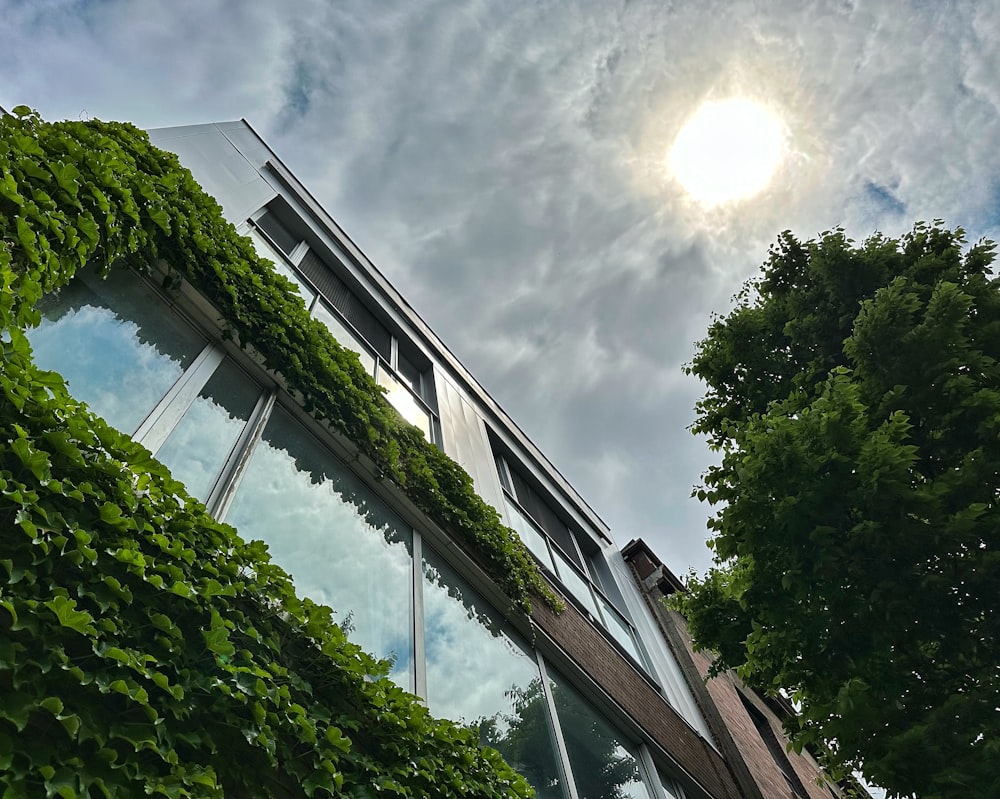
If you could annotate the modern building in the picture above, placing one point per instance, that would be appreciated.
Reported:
(589, 703)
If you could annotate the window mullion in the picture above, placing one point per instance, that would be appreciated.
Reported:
(229, 480)
(419, 652)
(168, 411)
(565, 770)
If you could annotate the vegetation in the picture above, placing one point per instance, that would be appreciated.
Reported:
(144, 647)
(854, 393)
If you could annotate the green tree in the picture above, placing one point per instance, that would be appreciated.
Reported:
(854, 395)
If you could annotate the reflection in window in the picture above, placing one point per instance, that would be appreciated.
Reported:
(340, 543)
(198, 447)
(478, 674)
(620, 629)
(402, 400)
(118, 345)
(528, 533)
(604, 766)
(577, 586)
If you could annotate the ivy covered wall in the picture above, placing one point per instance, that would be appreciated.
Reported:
(144, 647)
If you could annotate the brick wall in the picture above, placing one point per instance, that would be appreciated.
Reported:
(618, 677)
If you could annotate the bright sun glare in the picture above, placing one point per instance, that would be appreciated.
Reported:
(728, 150)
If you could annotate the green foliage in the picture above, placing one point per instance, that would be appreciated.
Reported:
(854, 393)
(144, 647)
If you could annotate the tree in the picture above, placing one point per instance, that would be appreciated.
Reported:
(854, 395)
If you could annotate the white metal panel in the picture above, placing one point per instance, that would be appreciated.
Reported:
(218, 166)
(464, 439)
(669, 673)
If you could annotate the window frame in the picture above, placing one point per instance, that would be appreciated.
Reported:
(390, 367)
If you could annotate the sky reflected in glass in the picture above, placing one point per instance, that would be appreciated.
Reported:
(117, 344)
(341, 544)
(198, 447)
(479, 673)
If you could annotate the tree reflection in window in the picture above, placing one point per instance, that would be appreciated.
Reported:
(604, 765)
(480, 673)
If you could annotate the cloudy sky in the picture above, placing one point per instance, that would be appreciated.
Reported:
(507, 166)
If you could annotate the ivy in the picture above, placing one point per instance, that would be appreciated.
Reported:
(145, 647)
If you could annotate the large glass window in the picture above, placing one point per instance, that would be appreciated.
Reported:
(116, 342)
(604, 763)
(198, 447)
(342, 545)
(479, 673)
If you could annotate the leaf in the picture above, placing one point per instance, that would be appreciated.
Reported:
(68, 616)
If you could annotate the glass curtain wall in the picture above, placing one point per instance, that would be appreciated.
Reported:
(342, 545)
(605, 764)
(116, 342)
(481, 673)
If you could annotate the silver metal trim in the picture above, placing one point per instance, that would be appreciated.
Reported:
(159, 424)
(419, 652)
(222, 495)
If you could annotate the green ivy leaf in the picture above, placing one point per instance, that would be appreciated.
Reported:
(69, 616)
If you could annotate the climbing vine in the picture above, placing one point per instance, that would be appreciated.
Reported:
(145, 647)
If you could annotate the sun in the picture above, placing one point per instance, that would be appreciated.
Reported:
(727, 151)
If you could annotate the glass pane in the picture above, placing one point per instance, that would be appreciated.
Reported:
(265, 250)
(345, 338)
(280, 235)
(116, 342)
(604, 765)
(341, 544)
(402, 400)
(529, 534)
(619, 628)
(479, 674)
(198, 447)
(406, 370)
(670, 788)
(574, 583)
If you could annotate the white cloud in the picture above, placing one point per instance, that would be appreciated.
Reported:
(503, 164)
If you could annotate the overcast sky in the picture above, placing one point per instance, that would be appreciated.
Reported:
(505, 165)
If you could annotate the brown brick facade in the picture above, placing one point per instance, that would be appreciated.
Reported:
(588, 649)
(738, 717)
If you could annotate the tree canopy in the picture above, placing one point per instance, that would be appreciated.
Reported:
(854, 396)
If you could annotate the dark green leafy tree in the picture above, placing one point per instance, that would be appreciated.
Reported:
(854, 394)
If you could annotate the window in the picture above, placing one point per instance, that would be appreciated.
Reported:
(200, 443)
(397, 366)
(116, 342)
(605, 764)
(775, 746)
(341, 544)
(553, 543)
(482, 674)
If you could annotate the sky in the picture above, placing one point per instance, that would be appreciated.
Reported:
(508, 167)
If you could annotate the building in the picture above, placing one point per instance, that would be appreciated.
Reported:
(588, 703)
(746, 726)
